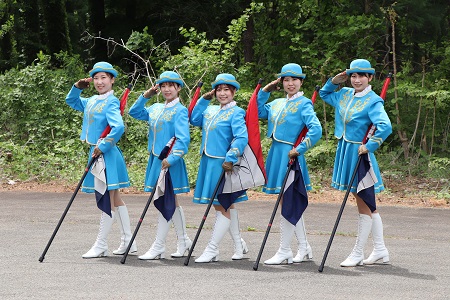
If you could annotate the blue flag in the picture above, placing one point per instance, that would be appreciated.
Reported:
(164, 195)
(366, 182)
(100, 185)
(225, 195)
(295, 198)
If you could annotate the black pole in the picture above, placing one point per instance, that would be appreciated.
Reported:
(186, 261)
(41, 259)
(274, 212)
(339, 215)
(124, 257)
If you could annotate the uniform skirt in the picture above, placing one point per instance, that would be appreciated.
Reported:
(116, 171)
(344, 166)
(178, 175)
(208, 175)
(276, 167)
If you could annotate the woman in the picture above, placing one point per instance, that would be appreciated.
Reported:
(100, 111)
(286, 119)
(224, 137)
(166, 120)
(355, 110)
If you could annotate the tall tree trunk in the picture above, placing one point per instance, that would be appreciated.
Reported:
(413, 138)
(401, 133)
(8, 53)
(248, 41)
(434, 126)
(56, 26)
(99, 50)
(32, 42)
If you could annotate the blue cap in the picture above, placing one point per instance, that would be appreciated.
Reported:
(360, 66)
(103, 66)
(293, 70)
(225, 78)
(170, 76)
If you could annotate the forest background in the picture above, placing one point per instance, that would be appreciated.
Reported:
(48, 45)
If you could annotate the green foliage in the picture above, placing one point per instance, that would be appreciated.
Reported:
(39, 133)
(321, 156)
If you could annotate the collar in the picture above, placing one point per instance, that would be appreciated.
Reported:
(228, 105)
(171, 103)
(297, 95)
(364, 92)
(105, 95)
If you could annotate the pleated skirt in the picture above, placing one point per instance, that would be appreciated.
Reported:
(178, 175)
(276, 167)
(208, 175)
(344, 166)
(116, 171)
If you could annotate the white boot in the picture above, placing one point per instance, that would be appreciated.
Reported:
(379, 249)
(357, 256)
(284, 252)
(183, 241)
(304, 249)
(211, 252)
(123, 219)
(100, 247)
(240, 246)
(158, 247)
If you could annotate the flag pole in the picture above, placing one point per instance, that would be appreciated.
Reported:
(147, 205)
(272, 217)
(107, 130)
(370, 131)
(91, 162)
(341, 210)
(280, 195)
(186, 261)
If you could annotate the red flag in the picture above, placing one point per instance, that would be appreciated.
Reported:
(249, 171)
(194, 98)
(123, 104)
(252, 122)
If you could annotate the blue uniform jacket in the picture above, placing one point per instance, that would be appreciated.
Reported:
(286, 119)
(224, 133)
(98, 113)
(354, 116)
(164, 123)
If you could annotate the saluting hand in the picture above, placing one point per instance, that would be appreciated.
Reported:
(83, 83)
(209, 95)
(151, 91)
(272, 86)
(293, 153)
(339, 78)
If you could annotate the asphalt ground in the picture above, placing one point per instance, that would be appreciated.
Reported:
(418, 240)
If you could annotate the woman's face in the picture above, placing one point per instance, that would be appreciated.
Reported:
(224, 94)
(360, 81)
(103, 82)
(291, 85)
(169, 90)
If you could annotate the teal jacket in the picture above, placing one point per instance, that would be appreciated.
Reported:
(224, 133)
(354, 115)
(99, 112)
(164, 122)
(286, 119)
